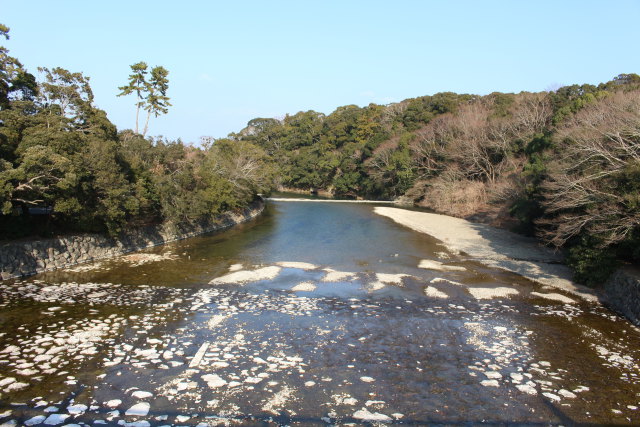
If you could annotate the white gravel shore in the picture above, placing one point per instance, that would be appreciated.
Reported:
(492, 247)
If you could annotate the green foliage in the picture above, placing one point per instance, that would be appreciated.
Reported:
(64, 166)
(591, 263)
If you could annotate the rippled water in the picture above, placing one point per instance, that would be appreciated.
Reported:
(312, 314)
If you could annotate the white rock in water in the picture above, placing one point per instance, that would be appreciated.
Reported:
(139, 394)
(350, 401)
(114, 403)
(56, 349)
(552, 396)
(395, 279)
(304, 287)
(42, 357)
(516, 377)
(15, 387)
(7, 381)
(338, 276)
(567, 394)
(493, 375)
(220, 364)
(367, 379)
(310, 383)
(365, 415)
(35, 420)
(138, 410)
(213, 380)
(525, 388)
(216, 320)
(10, 349)
(490, 383)
(76, 409)
(243, 276)
(489, 293)
(55, 419)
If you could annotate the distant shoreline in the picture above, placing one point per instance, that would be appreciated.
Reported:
(292, 199)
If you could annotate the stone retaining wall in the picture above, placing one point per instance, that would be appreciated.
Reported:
(622, 293)
(25, 258)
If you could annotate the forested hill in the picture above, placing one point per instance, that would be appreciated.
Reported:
(64, 167)
(564, 165)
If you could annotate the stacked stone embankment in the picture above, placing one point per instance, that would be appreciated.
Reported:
(27, 257)
(622, 293)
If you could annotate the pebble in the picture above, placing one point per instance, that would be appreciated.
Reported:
(35, 420)
(138, 410)
(55, 419)
(525, 388)
(552, 396)
(113, 403)
(365, 415)
(139, 394)
(567, 394)
(76, 409)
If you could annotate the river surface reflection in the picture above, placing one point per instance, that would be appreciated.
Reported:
(314, 313)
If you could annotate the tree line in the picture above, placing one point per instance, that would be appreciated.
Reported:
(563, 165)
(65, 167)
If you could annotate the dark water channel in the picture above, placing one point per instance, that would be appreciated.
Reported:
(313, 314)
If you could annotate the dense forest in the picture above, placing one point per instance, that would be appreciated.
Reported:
(65, 167)
(563, 165)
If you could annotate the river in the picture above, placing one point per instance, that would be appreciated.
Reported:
(312, 314)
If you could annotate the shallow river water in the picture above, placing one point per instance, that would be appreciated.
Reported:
(312, 314)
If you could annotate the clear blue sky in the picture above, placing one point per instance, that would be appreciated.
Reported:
(231, 61)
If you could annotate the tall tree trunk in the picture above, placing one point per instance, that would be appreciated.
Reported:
(146, 124)
(137, 115)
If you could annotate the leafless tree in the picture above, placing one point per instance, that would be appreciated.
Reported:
(593, 187)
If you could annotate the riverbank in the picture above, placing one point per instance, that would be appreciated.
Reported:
(493, 247)
(28, 257)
